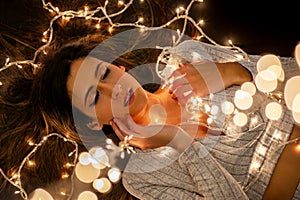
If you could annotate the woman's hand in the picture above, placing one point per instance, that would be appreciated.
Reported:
(204, 77)
(152, 136)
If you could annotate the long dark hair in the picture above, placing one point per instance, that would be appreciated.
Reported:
(35, 102)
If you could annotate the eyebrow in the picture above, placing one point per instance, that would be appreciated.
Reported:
(90, 88)
(87, 94)
(97, 69)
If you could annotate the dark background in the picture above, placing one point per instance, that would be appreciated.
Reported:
(257, 27)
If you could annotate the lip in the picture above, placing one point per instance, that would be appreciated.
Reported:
(129, 97)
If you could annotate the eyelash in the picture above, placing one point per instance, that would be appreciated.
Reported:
(97, 91)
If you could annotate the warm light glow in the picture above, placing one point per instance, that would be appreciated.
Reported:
(291, 89)
(273, 111)
(266, 61)
(65, 175)
(114, 174)
(102, 185)
(266, 81)
(297, 54)
(86, 173)
(278, 71)
(240, 119)
(214, 110)
(296, 117)
(262, 150)
(84, 158)
(87, 195)
(243, 100)
(298, 147)
(296, 103)
(249, 87)
(30, 163)
(41, 194)
(157, 114)
(227, 108)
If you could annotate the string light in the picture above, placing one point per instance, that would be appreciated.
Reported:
(268, 66)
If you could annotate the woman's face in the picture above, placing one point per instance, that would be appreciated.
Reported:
(104, 91)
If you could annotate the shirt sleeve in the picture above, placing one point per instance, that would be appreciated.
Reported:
(210, 178)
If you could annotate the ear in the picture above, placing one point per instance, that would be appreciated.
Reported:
(122, 68)
(94, 125)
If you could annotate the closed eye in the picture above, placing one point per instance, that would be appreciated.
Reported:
(105, 73)
(97, 94)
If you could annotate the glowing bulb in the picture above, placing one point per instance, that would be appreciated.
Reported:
(273, 111)
(296, 108)
(98, 26)
(102, 185)
(1, 83)
(99, 158)
(296, 117)
(249, 87)
(227, 108)
(84, 158)
(114, 174)
(291, 89)
(209, 120)
(296, 103)
(240, 119)
(266, 81)
(39, 194)
(243, 100)
(230, 42)
(297, 54)
(87, 195)
(110, 29)
(214, 110)
(30, 163)
(157, 114)
(201, 22)
(120, 3)
(278, 71)
(141, 19)
(266, 61)
(65, 175)
(86, 173)
(298, 147)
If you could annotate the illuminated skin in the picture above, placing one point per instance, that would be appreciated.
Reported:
(92, 77)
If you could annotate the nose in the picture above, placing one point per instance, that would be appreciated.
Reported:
(112, 90)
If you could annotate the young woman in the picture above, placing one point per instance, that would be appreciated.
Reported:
(77, 93)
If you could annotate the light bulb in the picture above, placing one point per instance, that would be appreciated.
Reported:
(87, 195)
(86, 173)
(39, 194)
(297, 54)
(102, 185)
(243, 100)
(84, 158)
(273, 111)
(227, 108)
(266, 61)
(240, 119)
(291, 89)
(278, 71)
(114, 174)
(249, 87)
(266, 81)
